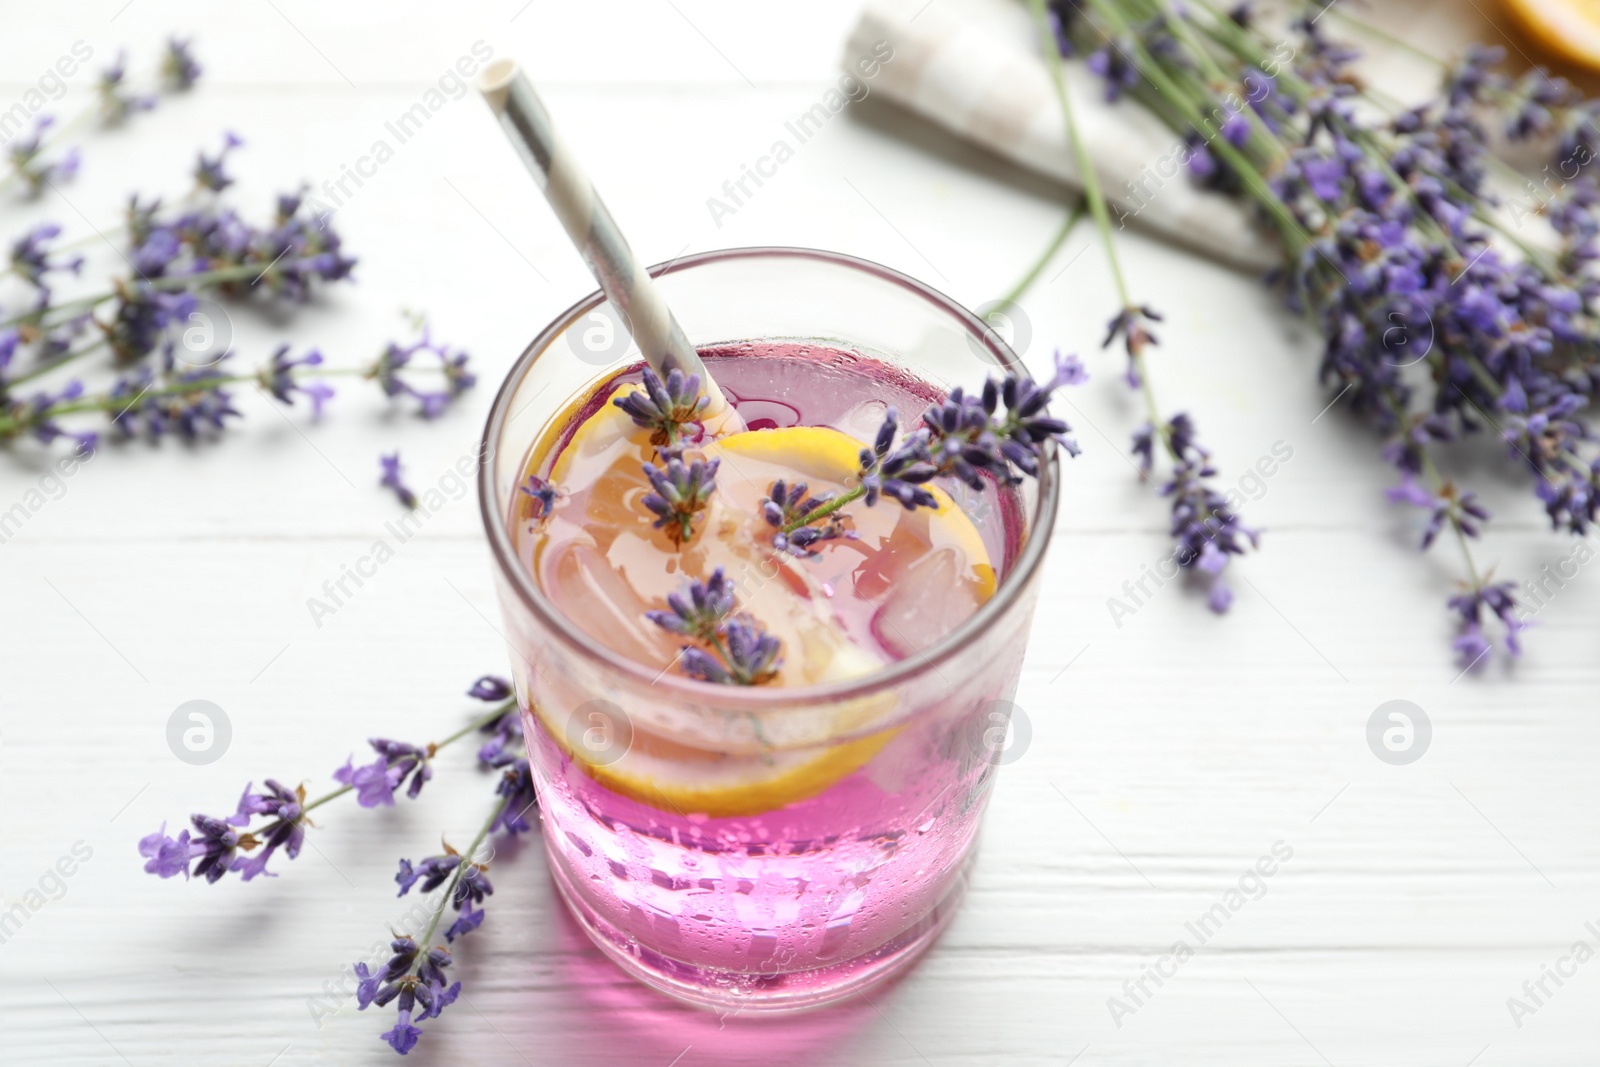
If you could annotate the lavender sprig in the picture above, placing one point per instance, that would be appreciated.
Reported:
(210, 171)
(414, 976)
(682, 492)
(186, 401)
(1394, 250)
(391, 479)
(24, 154)
(391, 373)
(175, 258)
(220, 845)
(542, 495)
(738, 650)
(1207, 531)
(34, 261)
(117, 100)
(179, 69)
(786, 503)
(667, 409)
(965, 436)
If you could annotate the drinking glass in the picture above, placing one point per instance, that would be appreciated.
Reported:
(853, 871)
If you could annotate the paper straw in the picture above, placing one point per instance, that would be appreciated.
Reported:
(592, 229)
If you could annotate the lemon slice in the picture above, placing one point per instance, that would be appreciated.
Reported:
(688, 781)
(1568, 28)
(610, 429)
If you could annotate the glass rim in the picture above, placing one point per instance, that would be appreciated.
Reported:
(762, 697)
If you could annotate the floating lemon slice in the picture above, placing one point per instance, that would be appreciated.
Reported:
(1568, 28)
(676, 778)
(608, 429)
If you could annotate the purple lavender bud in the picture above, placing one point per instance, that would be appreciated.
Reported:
(392, 479)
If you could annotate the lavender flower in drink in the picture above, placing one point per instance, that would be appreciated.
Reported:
(700, 610)
(786, 503)
(742, 654)
(667, 409)
(541, 494)
(682, 492)
(732, 648)
(964, 436)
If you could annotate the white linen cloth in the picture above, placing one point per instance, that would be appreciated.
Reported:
(975, 68)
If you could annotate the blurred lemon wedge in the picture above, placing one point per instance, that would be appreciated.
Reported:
(1567, 28)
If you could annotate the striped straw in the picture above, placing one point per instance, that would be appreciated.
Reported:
(592, 229)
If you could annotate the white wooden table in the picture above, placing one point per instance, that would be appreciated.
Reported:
(1167, 754)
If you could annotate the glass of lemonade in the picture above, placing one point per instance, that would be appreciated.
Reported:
(782, 845)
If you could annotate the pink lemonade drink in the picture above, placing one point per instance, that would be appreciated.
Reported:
(779, 809)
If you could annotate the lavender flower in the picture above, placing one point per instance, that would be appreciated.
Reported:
(141, 318)
(700, 610)
(1130, 325)
(32, 260)
(965, 437)
(1393, 250)
(390, 372)
(25, 152)
(748, 656)
(899, 473)
(208, 170)
(411, 977)
(786, 503)
(490, 688)
(515, 788)
(682, 492)
(392, 480)
(1474, 608)
(667, 409)
(1111, 62)
(739, 651)
(541, 493)
(117, 102)
(187, 403)
(280, 378)
(376, 782)
(1209, 533)
(179, 70)
(216, 846)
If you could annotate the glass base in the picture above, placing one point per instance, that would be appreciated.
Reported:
(791, 991)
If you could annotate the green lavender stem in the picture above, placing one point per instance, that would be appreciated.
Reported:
(1095, 197)
(1074, 217)
(46, 368)
(476, 724)
(220, 276)
(466, 861)
(824, 509)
